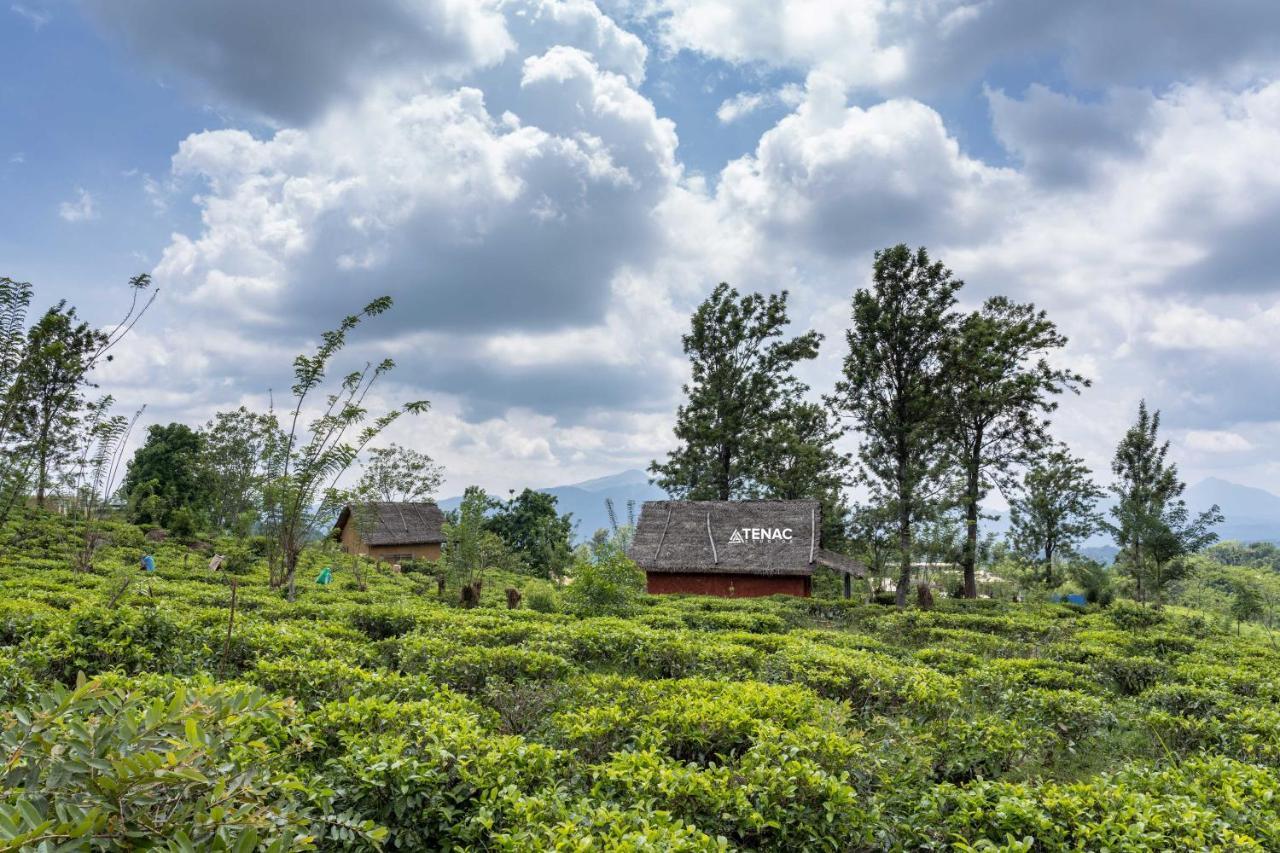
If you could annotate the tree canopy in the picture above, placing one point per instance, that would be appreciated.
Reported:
(741, 393)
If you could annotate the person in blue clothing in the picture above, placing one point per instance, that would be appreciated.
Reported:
(148, 563)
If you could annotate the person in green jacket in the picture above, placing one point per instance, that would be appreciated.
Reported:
(325, 577)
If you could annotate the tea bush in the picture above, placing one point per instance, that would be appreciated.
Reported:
(605, 719)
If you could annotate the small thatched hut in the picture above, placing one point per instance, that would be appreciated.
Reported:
(734, 548)
(395, 532)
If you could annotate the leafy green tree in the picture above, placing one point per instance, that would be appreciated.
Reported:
(893, 388)
(58, 352)
(165, 477)
(532, 529)
(1247, 603)
(742, 387)
(396, 474)
(1054, 511)
(999, 387)
(233, 465)
(1151, 523)
(470, 546)
(43, 374)
(307, 458)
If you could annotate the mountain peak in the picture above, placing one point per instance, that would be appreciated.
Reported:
(623, 479)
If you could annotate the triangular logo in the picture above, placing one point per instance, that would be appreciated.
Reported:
(736, 537)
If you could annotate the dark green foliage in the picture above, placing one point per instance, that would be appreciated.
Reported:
(165, 479)
(744, 429)
(100, 768)
(46, 425)
(532, 529)
(233, 466)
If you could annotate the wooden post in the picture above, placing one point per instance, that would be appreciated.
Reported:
(231, 620)
(848, 585)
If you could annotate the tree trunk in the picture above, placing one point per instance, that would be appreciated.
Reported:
(1048, 563)
(904, 556)
(971, 531)
(291, 572)
(1137, 569)
(42, 469)
(726, 459)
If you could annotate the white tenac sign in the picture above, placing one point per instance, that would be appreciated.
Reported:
(743, 535)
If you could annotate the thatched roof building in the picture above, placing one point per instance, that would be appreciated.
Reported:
(392, 531)
(734, 548)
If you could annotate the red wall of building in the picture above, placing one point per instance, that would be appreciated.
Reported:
(727, 585)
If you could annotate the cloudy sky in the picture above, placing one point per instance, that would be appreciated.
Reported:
(547, 187)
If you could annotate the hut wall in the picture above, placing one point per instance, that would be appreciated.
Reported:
(392, 553)
(353, 544)
(727, 585)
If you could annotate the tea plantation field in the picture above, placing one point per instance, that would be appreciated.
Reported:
(135, 715)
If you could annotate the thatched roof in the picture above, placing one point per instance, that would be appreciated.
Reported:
(409, 523)
(739, 537)
(841, 563)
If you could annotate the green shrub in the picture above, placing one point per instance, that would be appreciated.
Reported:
(92, 767)
(984, 747)
(1210, 803)
(1132, 675)
(870, 681)
(428, 772)
(96, 640)
(1129, 616)
(541, 597)
(470, 668)
(608, 586)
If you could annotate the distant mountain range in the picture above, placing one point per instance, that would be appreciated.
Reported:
(586, 500)
(1252, 515)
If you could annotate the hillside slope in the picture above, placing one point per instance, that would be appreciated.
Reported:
(389, 716)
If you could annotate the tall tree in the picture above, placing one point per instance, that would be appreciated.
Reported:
(742, 385)
(1000, 388)
(1054, 510)
(165, 476)
(51, 386)
(534, 530)
(470, 546)
(308, 457)
(1151, 523)
(397, 474)
(43, 373)
(233, 465)
(893, 387)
